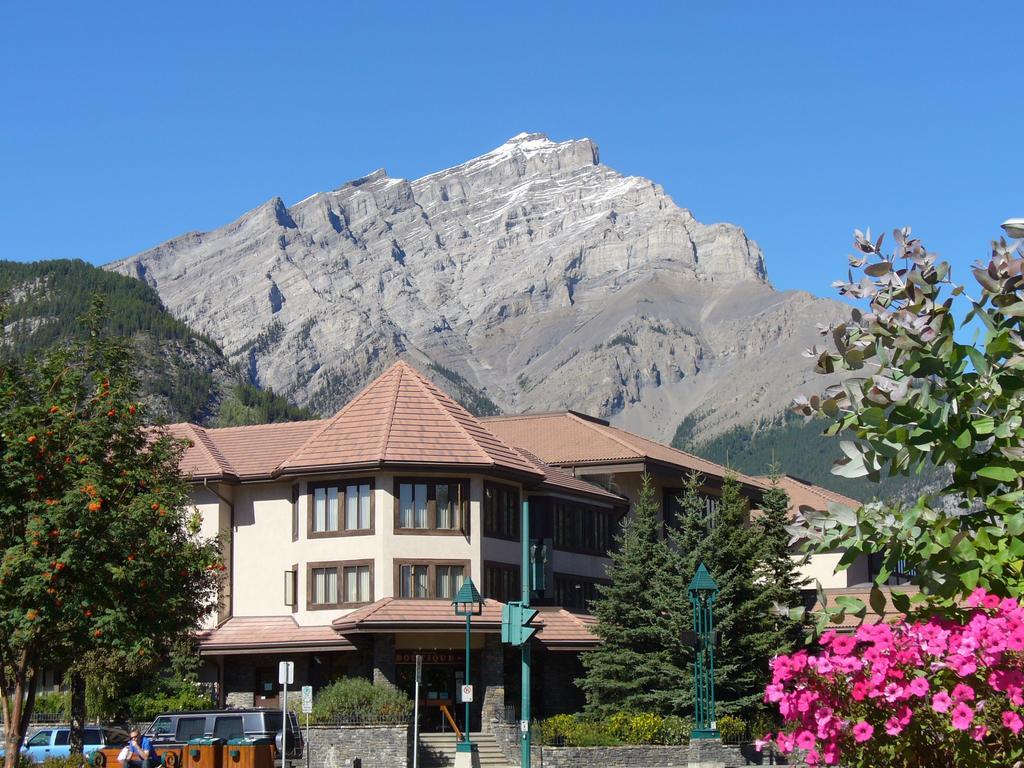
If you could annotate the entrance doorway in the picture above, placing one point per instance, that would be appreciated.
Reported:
(266, 694)
(443, 673)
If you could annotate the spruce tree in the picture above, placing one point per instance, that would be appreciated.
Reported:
(635, 668)
(734, 551)
(779, 574)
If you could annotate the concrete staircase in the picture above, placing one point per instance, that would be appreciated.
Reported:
(437, 750)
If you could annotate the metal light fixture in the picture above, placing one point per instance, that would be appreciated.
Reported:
(468, 603)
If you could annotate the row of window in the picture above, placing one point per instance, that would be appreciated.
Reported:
(348, 584)
(342, 585)
(421, 506)
(580, 528)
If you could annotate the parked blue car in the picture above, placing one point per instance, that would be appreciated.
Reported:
(53, 742)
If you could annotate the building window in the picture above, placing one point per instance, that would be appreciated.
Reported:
(435, 506)
(501, 582)
(357, 584)
(447, 580)
(341, 508)
(580, 528)
(415, 581)
(575, 592)
(291, 588)
(900, 574)
(501, 511)
(439, 580)
(340, 585)
(325, 586)
(295, 512)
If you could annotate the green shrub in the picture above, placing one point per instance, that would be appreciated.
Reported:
(356, 698)
(144, 707)
(732, 729)
(576, 731)
(616, 729)
(71, 761)
(676, 730)
(618, 726)
(53, 704)
(645, 729)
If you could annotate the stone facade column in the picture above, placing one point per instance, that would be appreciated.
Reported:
(492, 678)
(384, 660)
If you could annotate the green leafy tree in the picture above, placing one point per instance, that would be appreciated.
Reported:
(101, 545)
(917, 395)
(739, 556)
(635, 667)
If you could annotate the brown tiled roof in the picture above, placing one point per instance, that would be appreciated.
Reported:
(391, 613)
(202, 459)
(265, 633)
(570, 439)
(403, 418)
(806, 494)
(558, 480)
(256, 451)
(864, 593)
(561, 629)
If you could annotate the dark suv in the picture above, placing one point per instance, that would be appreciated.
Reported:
(177, 728)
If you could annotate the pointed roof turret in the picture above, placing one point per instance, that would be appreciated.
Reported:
(402, 418)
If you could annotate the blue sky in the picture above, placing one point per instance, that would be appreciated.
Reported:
(127, 124)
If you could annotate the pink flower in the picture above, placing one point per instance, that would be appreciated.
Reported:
(979, 732)
(893, 727)
(919, 687)
(991, 602)
(843, 645)
(764, 741)
(963, 693)
(976, 598)
(863, 731)
(805, 740)
(1012, 721)
(941, 701)
(859, 691)
(831, 753)
(963, 716)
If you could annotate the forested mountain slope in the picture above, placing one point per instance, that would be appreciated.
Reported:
(184, 375)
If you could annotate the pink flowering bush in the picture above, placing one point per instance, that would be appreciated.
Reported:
(935, 692)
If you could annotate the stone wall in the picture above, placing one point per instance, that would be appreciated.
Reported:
(376, 746)
(699, 754)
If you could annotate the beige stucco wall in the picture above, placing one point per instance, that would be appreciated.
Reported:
(823, 569)
(216, 523)
(262, 546)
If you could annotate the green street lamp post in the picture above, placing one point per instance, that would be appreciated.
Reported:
(467, 603)
(703, 591)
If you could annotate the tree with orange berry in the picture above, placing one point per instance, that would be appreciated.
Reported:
(101, 546)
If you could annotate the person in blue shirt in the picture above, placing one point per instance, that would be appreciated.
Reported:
(140, 751)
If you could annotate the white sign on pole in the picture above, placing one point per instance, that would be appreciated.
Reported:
(307, 699)
(286, 672)
(419, 668)
(524, 726)
(467, 694)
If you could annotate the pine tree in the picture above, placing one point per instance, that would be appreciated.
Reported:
(635, 667)
(734, 551)
(779, 574)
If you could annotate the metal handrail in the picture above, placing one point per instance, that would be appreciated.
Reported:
(451, 722)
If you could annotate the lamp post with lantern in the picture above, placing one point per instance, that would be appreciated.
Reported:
(468, 603)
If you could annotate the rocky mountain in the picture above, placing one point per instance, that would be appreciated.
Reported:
(533, 277)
